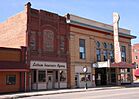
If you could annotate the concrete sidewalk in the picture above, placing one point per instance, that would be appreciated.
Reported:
(50, 92)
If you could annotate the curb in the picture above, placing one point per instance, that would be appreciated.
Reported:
(57, 92)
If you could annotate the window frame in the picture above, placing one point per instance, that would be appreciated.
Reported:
(9, 82)
(44, 76)
(105, 54)
(136, 57)
(82, 50)
(123, 52)
(98, 59)
(48, 41)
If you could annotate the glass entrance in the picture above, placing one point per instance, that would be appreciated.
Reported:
(50, 81)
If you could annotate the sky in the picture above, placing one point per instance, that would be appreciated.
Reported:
(99, 10)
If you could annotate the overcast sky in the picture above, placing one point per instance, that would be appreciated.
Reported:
(99, 10)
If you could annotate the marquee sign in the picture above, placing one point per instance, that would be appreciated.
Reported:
(47, 65)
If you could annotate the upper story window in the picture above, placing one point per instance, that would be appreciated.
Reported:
(137, 66)
(136, 57)
(98, 54)
(62, 44)
(48, 40)
(82, 48)
(111, 55)
(111, 46)
(32, 41)
(105, 55)
(123, 53)
(105, 45)
(135, 50)
(98, 44)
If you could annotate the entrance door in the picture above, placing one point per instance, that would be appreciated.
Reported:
(50, 81)
(100, 76)
(113, 76)
(77, 80)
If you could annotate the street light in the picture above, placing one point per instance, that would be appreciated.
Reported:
(85, 72)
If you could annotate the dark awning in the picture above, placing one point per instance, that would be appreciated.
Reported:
(15, 70)
(122, 65)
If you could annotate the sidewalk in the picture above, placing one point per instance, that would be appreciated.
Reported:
(50, 92)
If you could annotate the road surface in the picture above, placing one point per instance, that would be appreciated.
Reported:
(123, 93)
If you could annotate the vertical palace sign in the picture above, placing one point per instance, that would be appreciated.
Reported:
(117, 51)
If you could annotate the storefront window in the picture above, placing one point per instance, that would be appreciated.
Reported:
(11, 79)
(62, 76)
(125, 75)
(41, 76)
(88, 78)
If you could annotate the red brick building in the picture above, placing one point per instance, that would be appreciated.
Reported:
(45, 35)
(13, 70)
(135, 59)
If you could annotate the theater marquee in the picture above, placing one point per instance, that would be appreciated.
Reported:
(47, 65)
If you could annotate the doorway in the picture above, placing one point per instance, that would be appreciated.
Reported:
(50, 81)
(100, 76)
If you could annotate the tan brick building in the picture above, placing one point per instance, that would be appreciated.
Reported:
(91, 45)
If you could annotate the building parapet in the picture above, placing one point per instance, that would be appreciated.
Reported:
(91, 24)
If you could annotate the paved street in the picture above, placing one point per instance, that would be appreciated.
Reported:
(124, 93)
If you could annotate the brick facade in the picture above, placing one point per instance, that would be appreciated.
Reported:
(135, 60)
(13, 31)
(40, 23)
(45, 35)
(92, 32)
(12, 63)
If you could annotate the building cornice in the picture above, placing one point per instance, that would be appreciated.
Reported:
(73, 22)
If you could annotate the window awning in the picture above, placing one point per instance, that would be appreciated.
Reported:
(136, 72)
(15, 70)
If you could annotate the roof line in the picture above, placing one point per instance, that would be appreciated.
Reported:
(99, 28)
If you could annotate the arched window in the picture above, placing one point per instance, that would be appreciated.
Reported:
(111, 46)
(48, 40)
(98, 44)
(105, 45)
(32, 41)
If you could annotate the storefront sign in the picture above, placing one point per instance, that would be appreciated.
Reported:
(101, 64)
(47, 65)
